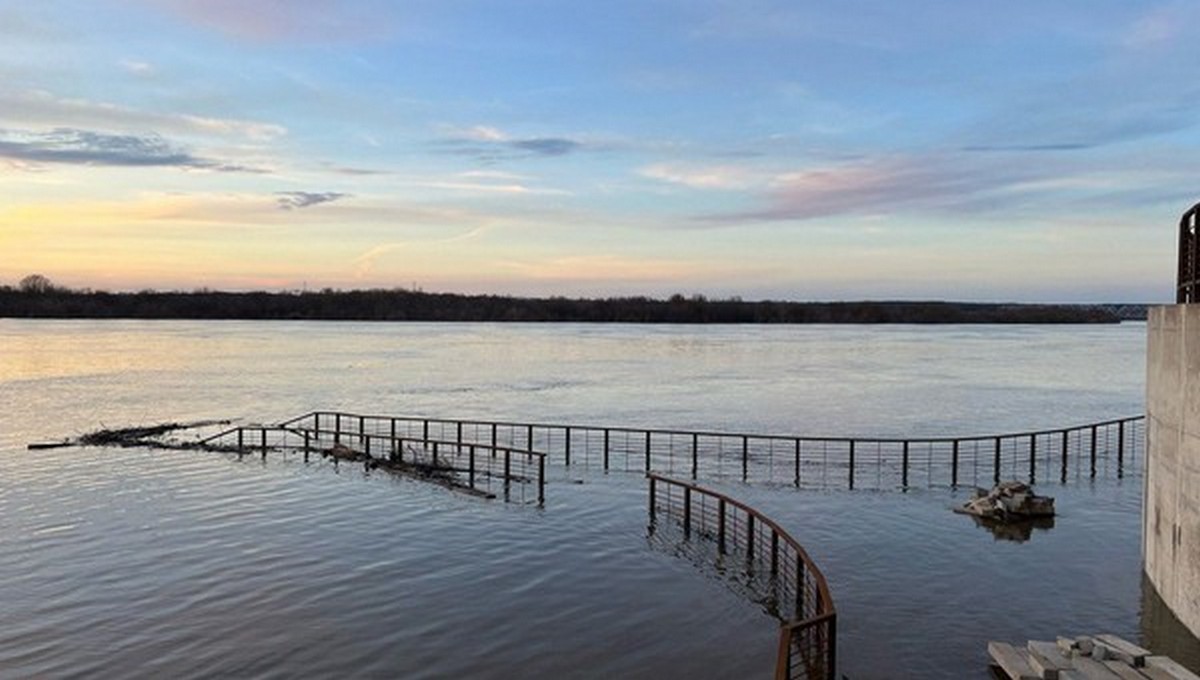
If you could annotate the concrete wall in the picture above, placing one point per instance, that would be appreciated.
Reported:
(1171, 510)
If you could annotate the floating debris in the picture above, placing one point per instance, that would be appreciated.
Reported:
(149, 435)
(1008, 502)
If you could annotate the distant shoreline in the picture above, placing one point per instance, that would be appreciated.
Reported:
(407, 305)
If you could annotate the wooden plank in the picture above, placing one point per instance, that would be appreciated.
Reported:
(1125, 651)
(1092, 669)
(1176, 671)
(1047, 660)
(1124, 670)
(1014, 662)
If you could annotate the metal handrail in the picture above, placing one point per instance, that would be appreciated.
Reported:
(798, 460)
(818, 617)
(1187, 284)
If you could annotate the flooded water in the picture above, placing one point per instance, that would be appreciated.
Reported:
(133, 562)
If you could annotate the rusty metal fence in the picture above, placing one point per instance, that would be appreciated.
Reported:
(517, 473)
(1188, 280)
(1110, 448)
(772, 564)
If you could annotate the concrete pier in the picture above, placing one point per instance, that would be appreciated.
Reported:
(1171, 510)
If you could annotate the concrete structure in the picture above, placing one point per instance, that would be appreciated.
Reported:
(1171, 511)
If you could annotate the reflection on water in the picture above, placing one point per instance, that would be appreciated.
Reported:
(1019, 530)
(1163, 633)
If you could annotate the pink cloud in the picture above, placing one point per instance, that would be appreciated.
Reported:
(272, 20)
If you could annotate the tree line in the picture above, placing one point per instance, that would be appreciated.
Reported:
(38, 297)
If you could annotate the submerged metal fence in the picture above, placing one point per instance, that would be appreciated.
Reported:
(1110, 448)
(480, 467)
(774, 565)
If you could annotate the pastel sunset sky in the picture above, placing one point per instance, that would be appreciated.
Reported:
(1030, 151)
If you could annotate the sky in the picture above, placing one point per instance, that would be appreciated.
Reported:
(863, 149)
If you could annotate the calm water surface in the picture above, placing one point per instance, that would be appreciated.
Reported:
(150, 563)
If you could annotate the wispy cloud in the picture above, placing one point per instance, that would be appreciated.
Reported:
(295, 200)
(86, 147)
(41, 109)
(727, 177)
(491, 144)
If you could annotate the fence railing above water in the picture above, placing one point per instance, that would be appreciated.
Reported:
(478, 467)
(774, 565)
(1110, 448)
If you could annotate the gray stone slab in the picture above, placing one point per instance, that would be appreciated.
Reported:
(1125, 650)
(1124, 670)
(1093, 669)
(1170, 666)
(1047, 659)
(1013, 661)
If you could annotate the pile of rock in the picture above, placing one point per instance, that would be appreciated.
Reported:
(1008, 501)
(1100, 657)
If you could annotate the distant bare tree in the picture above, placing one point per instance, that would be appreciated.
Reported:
(36, 283)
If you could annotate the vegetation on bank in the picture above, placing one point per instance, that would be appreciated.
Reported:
(37, 297)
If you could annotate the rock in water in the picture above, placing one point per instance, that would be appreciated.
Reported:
(1008, 501)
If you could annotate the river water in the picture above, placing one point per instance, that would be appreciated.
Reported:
(136, 562)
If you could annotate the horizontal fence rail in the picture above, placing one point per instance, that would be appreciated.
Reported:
(479, 467)
(771, 563)
(1110, 448)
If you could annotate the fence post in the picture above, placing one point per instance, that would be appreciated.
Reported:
(721, 526)
(695, 454)
(904, 466)
(797, 462)
(1032, 458)
(362, 425)
(400, 450)
(653, 485)
(471, 466)
(954, 465)
(1093, 450)
(529, 438)
(1121, 449)
(606, 449)
(687, 511)
(367, 444)
(507, 471)
(425, 430)
(647, 450)
(750, 537)
(567, 446)
(263, 438)
(541, 480)
(435, 457)
(996, 463)
(307, 448)
(337, 428)
(745, 457)
(241, 441)
(317, 422)
(1066, 434)
(493, 438)
(392, 431)
(851, 463)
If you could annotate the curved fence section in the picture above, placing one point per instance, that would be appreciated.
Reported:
(769, 561)
(1110, 448)
(518, 474)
